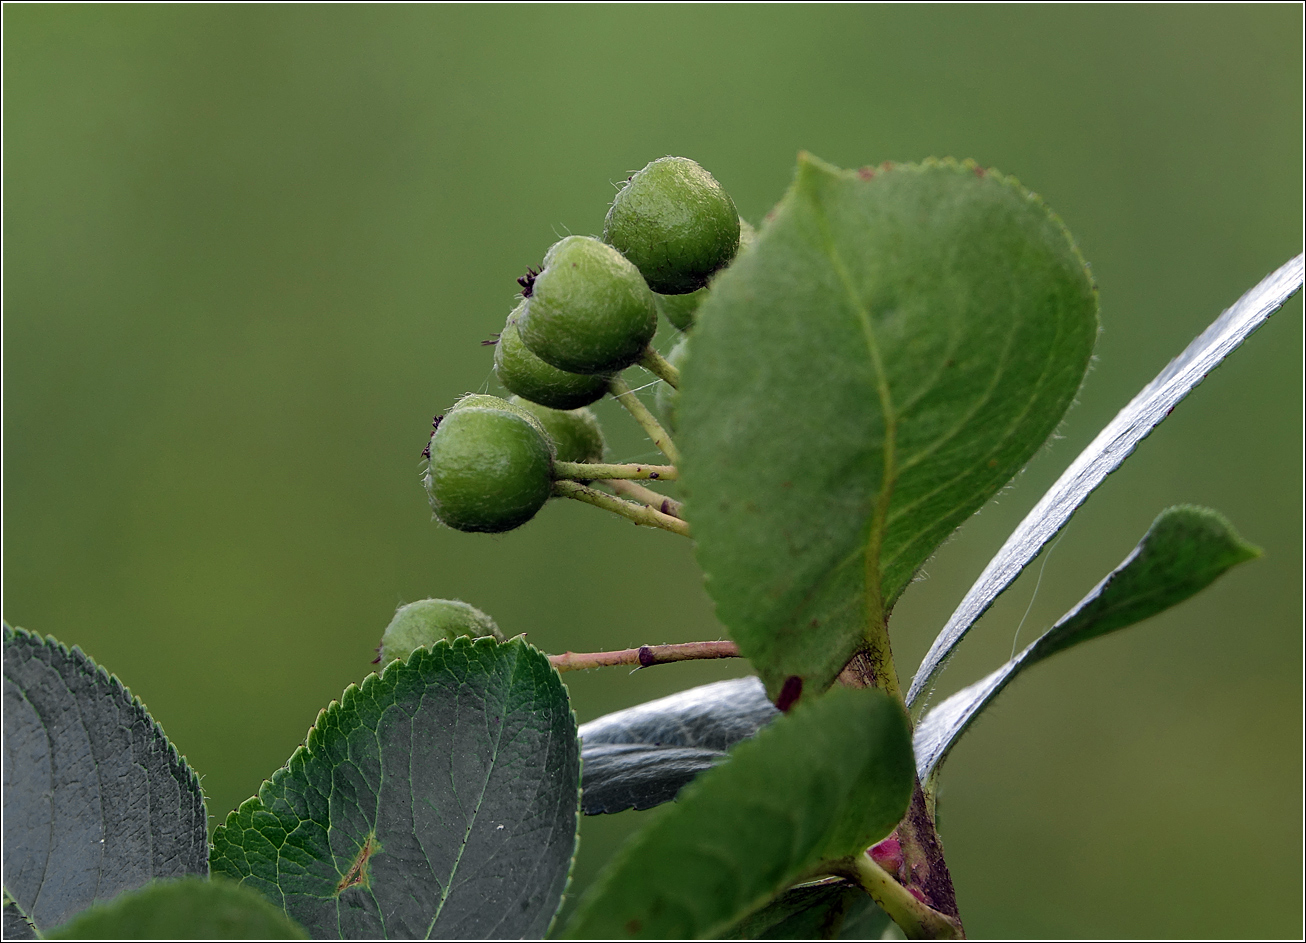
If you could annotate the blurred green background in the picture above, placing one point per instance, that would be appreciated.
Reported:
(251, 250)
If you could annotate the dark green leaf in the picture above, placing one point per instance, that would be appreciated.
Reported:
(1183, 552)
(186, 909)
(892, 350)
(821, 783)
(642, 756)
(96, 800)
(831, 909)
(438, 799)
(1104, 454)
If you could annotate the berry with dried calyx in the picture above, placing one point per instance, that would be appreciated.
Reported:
(490, 467)
(676, 223)
(589, 309)
(532, 379)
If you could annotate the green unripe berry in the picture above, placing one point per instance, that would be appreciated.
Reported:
(668, 397)
(676, 223)
(531, 378)
(589, 310)
(428, 621)
(575, 433)
(490, 468)
(680, 309)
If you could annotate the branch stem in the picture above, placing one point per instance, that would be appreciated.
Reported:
(660, 367)
(635, 513)
(647, 496)
(593, 471)
(620, 389)
(918, 919)
(645, 656)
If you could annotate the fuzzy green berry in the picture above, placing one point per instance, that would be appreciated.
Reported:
(575, 433)
(676, 223)
(532, 379)
(588, 310)
(490, 466)
(668, 397)
(428, 621)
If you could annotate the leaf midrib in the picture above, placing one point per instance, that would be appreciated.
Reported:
(875, 537)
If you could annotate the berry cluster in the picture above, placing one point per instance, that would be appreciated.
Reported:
(589, 312)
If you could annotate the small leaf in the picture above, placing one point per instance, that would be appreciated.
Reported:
(186, 909)
(894, 348)
(642, 756)
(438, 799)
(823, 782)
(831, 909)
(96, 800)
(1183, 552)
(1104, 454)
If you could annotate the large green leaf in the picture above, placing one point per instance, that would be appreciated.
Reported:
(438, 799)
(820, 783)
(1183, 552)
(894, 348)
(188, 909)
(96, 800)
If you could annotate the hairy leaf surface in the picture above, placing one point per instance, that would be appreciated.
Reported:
(438, 799)
(1104, 454)
(642, 756)
(186, 909)
(96, 800)
(1183, 552)
(823, 782)
(893, 349)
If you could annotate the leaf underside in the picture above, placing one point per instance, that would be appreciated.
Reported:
(186, 909)
(1105, 453)
(438, 799)
(832, 909)
(1183, 552)
(642, 756)
(893, 349)
(96, 799)
(822, 782)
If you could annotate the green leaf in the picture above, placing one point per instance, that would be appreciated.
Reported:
(438, 799)
(96, 799)
(1104, 454)
(186, 909)
(891, 352)
(1183, 552)
(832, 909)
(821, 783)
(642, 756)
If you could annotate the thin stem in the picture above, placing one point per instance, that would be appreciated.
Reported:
(593, 471)
(648, 496)
(918, 919)
(626, 397)
(645, 656)
(660, 367)
(635, 513)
